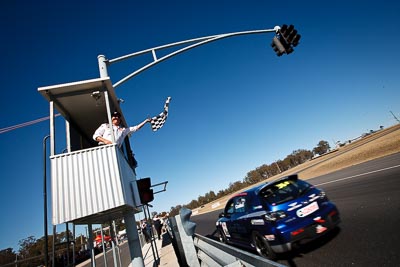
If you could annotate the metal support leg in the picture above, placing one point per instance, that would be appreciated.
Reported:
(103, 246)
(91, 248)
(113, 239)
(133, 240)
(152, 238)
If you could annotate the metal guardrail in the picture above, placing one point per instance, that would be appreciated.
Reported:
(195, 250)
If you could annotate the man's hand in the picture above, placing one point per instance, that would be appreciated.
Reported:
(103, 140)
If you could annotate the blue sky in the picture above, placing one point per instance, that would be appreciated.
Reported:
(235, 104)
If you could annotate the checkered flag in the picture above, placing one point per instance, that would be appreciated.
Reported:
(158, 121)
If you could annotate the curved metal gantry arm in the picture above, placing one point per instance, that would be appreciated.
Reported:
(103, 62)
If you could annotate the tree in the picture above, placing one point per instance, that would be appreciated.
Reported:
(193, 204)
(254, 176)
(321, 148)
(175, 210)
(27, 247)
(210, 196)
(31, 248)
(221, 193)
(233, 187)
(7, 256)
(303, 155)
(63, 236)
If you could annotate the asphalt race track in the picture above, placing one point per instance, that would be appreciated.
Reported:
(368, 198)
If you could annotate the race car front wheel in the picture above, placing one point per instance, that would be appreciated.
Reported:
(262, 246)
(221, 236)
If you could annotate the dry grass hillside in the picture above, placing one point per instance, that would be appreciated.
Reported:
(379, 144)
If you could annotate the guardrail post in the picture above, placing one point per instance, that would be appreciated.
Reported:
(182, 239)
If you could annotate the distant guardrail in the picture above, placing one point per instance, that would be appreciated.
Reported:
(195, 250)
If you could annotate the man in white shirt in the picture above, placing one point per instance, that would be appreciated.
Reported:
(103, 133)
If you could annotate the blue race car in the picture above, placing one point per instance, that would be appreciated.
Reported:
(274, 216)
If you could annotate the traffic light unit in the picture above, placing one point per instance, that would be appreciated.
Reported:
(285, 40)
(145, 191)
(278, 46)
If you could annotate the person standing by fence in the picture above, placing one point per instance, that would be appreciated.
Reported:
(158, 226)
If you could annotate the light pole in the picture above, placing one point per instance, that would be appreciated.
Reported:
(46, 243)
(277, 165)
(192, 43)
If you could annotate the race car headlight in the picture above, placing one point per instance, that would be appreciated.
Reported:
(274, 216)
(322, 195)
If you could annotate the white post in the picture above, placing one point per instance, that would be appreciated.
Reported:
(102, 66)
(52, 130)
(67, 133)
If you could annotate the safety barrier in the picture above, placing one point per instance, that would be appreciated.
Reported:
(195, 250)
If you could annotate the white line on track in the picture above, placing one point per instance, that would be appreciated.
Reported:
(361, 174)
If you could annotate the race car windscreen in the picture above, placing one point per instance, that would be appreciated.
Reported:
(284, 191)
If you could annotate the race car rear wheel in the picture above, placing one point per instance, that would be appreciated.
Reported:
(262, 246)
